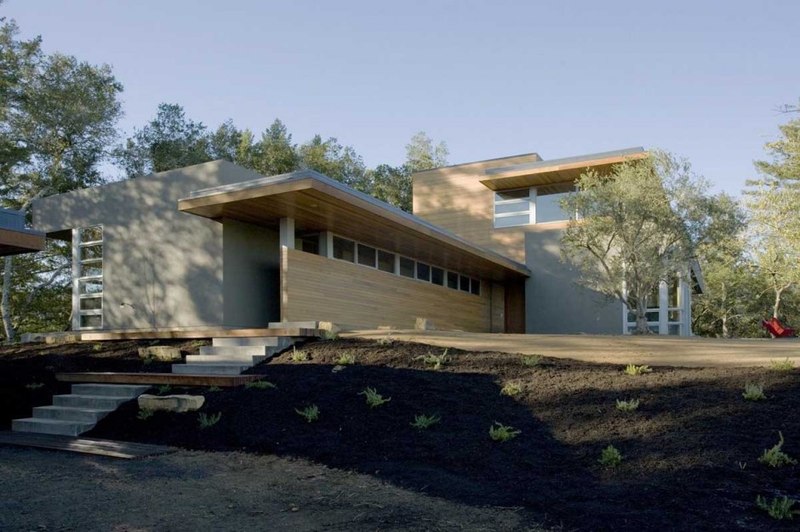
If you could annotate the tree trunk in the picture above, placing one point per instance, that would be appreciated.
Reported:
(725, 332)
(777, 304)
(641, 317)
(5, 303)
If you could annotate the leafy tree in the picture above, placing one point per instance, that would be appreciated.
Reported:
(391, 184)
(275, 153)
(57, 115)
(224, 142)
(168, 141)
(422, 154)
(639, 225)
(334, 160)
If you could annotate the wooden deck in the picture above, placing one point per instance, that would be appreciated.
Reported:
(173, 379)
(114, 449)
(211, 332)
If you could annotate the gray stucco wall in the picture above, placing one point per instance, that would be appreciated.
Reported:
(251, 274)
(164, 265)
(554, 302)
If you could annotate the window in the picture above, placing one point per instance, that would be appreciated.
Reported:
(367, 255)
(89, 286)
(512, 207)
(437, 276)
(385, 261)
(344, 249)
(452, 280)
(406, 267)
(308, 243)
(464, 284)
(548, 202)
(475, 287)
(423, 271)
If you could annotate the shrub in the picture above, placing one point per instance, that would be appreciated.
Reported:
(329, 335)
(753, 392)
(346, 359)
(423, 421)
(386, 340)
(260, 385)
(632, 369)
(374, 399)
(778, 508)
(781, 365)
(34, 385)
(144, 414)
(97, 347)
(310, 413)
(511, 389)
(207, 421)
(214, 389)
(298, 356)
(627, 406)
(500, 432)
(437, 362)
(610, 457)
(164, 389)
(775, 457)
(531, 360)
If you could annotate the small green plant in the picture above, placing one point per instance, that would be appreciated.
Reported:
(775, 457)
(532, 360)
(632, 369)
(97, 347)
(627, 406)
(754, 392)
(437, 362)
(144, 414)
(374, 399)
(778, 508)
(34, 385)
(309, 413)
(781, 365)
(346, 359)
(260, 385)
(610, 457)
(298, 356)
(329, 335)
(207, 421)
(500, 432)
(742, 465)
(424, 421)
(148, 360)
(386, 340)
(214, 389)
(511, 389)
(164, 389)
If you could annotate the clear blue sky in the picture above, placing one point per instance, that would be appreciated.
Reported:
(700, 78)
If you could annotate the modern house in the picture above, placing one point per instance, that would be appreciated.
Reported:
(14, 237)
(217, 245)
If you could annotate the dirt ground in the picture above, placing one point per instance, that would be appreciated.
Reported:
(690, 451)
(196, 491)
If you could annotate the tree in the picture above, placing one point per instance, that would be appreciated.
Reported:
(422, 154)
(391, 184)
(637, 226)
(57, 116)
(168, 141)
(328, 157)
(275, 153)
(774, 204)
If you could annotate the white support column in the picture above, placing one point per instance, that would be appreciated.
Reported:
(286, 232)
(532, 199)
(685, 302)
(76, 272)
(663, 308)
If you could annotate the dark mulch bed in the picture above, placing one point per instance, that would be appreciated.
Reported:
(690, 450)
(27, 371)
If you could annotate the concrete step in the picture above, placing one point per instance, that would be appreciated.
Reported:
(89, 401)
(210, 369)
(128, 391)
(294, 325)
(50, 426)
(274, 341)
(231, 359)
(65, 413)
(238, 350)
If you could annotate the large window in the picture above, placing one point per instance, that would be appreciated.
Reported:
(88, 243)
(512, 207)
(666, 309)
(533, 205)
(548, 203)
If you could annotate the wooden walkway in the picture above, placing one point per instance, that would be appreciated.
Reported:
(113, 449)
(173, 379)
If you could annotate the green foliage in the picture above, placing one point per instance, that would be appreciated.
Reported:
(775, 457)
(532, 360)
(424, 421)
(299, 356)
(502, 433)
(208, 421)
(781, 365)
(164, 389)
(275, 153)
(374, 399)
(385, 341)
(260, 385)
(437, 362)
(632, 369)
(627, 406)
(511, 389)
(309, 413)
(144, 414)
(34, 386)
(346, 359)
(328, 157)
(753, 392)
(422, 154)
(610, 457)
(214, 389)
(329, 335)
(640, 224)
(779, 508)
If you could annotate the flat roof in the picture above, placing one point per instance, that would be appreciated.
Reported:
(562, 170)
(16, 241)
(319, 203)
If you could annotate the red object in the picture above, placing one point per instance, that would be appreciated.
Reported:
(776, 329)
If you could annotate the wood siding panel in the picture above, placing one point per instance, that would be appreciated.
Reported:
(322, 289)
